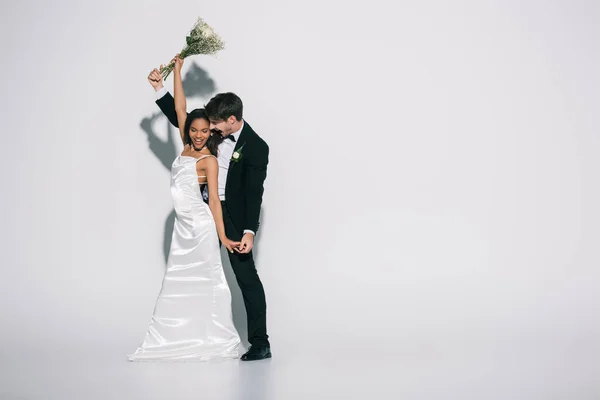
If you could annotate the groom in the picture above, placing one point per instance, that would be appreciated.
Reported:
(243, 158)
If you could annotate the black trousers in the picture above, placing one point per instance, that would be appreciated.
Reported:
(250, 285)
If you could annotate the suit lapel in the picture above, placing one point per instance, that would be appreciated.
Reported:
(238, 143)
(241, 141)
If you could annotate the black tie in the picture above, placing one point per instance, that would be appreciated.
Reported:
(230, 137)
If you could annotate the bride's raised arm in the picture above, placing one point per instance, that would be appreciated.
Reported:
(180, 102)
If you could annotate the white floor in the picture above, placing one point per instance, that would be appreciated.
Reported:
(429, 369)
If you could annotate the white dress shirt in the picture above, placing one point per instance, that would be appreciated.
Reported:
(161, 92)
(225, 152)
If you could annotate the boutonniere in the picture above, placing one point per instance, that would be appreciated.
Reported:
(237, 155)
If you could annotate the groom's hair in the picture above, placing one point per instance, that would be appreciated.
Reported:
(223, 106)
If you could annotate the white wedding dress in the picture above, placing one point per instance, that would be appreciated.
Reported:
(192, 318)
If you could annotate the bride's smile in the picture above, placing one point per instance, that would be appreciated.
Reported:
(199, 133)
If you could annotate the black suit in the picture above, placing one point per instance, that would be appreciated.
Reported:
(241, 211)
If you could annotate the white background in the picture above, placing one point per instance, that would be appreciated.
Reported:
(432, 187)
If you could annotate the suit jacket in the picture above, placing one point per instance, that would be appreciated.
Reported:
(245, 179)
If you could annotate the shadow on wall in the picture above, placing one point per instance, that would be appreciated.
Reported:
(196, 83)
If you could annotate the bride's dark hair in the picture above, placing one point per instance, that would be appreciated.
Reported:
(212, 144)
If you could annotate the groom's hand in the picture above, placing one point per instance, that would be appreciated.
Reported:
(246, 243)
(155, 79)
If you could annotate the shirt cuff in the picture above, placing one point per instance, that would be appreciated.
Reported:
(161, 92)
(249, 231)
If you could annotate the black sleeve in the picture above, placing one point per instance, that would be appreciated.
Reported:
(256, 173)
(167, 106)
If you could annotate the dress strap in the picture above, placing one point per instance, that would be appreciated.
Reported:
(204, 156)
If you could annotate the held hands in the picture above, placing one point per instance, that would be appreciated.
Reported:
(230, 245)
(242, 247)
(246, 244)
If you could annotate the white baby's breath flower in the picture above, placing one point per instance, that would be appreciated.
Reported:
(208, 32)
(202, 39)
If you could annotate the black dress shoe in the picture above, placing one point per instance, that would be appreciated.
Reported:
(257, 353)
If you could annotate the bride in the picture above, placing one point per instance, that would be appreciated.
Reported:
(192, 317)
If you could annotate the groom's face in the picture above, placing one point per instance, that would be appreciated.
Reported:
(224, 127)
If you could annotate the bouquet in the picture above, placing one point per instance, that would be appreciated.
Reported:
(202, 39)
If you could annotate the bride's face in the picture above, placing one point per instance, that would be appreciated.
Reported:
(199, 132)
